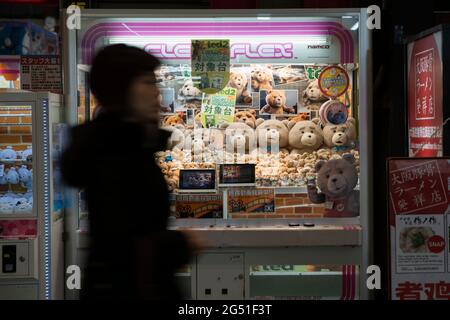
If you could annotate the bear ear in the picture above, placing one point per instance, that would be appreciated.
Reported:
(319, 165)
(224, 125)
(253, 112)
(351, 120)
(286, 123)
(166, 118)
(259, 121)
(304, 97)
(316, 121)
(349, 157)
(290, 124)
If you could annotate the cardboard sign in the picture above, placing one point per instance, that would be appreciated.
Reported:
(199, 206)
(210, 64)
(251, 201)
(219, 108)
(333, 81)
(41, 73)
(419, 212)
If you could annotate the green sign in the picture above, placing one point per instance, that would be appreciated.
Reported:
(210, 63)
(218, 108)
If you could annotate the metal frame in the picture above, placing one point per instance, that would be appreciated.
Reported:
(48, 231)
(360, 255)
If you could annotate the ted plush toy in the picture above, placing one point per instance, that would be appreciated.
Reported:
(336, 179)
(340, 137)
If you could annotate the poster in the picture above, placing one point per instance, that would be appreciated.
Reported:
(251, 201)
(425, 97)
(199, 206)
(218, 108)
(210, 64)
(41, 73)
(419, 210)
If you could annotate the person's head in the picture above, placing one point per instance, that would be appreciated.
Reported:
(122, 79)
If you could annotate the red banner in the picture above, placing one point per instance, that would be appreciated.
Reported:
(425, 96)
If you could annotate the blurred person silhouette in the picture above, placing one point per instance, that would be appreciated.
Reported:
(132, 255)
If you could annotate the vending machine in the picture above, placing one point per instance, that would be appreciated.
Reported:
(31, 196)
(302, 77)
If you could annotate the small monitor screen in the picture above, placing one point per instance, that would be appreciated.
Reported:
(237, 175)
(197, 180)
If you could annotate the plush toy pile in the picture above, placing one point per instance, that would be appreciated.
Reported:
(285, 152)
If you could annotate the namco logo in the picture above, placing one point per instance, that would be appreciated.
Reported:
(318, 46)
(182, 51)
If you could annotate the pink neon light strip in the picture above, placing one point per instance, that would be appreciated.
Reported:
(136, 29)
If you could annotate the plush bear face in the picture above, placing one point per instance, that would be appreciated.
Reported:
(337, 177)
(340, 135)
(239, 137)
(247, 117)
(313, 92)
(261, 75)
(238, 80)
(174, 120)
(305, 135)
(271, 132)
(188, 90)
(276, 99)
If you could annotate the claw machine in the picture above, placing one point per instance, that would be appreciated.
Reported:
(253, 188)
(31, 196)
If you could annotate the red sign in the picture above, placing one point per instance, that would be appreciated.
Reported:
(425, 96)
(418, 186)
(419, 213)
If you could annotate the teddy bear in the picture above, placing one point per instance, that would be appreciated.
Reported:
(312, 97)
(261, 79)
(188, 91)
(176, 139)
(271, 133)
(305, 136)
(247, 116)
(27, 153)
(239, 138)
(288, 75)
(336, 180)
(8, 154)
(340, 137)
(299, 117)
(276, 103)
(238, 80)
(173, 120)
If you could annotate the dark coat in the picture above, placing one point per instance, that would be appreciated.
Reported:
(132, 254)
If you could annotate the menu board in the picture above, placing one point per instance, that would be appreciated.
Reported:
(419, 211)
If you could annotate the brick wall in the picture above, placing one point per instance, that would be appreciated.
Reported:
(19, 137)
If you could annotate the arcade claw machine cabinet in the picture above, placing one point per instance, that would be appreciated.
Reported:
(267, 189)
(31, 202)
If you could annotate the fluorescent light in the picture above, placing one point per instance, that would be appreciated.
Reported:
(355, 26)
(347, 17)
(263, 18)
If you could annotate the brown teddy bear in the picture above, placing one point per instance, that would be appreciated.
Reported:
(305, 136)
(173, 120)
(238, 80)
(270, 133)
(336, 179)
(246, 116)
(288, 75)
(276, 103)
(261, 79)
(340, 136)
(299, 117)
(312, 97)
(239, 138)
